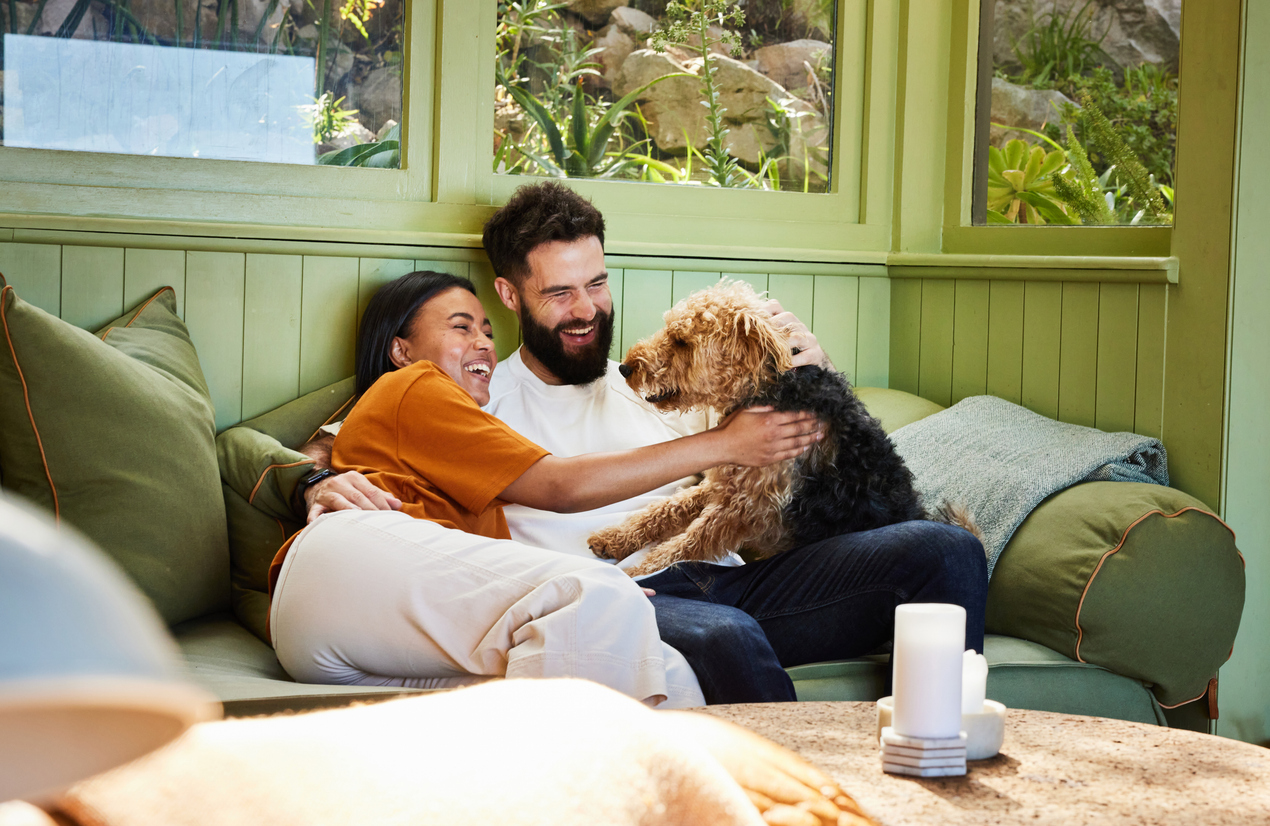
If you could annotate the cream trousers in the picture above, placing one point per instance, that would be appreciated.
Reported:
(379, 598)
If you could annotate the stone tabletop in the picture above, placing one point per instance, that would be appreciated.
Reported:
(1052, 769)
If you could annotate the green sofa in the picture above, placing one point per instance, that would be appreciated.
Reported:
(1112, 599)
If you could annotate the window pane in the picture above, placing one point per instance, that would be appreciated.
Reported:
(1077, 111)
(700, 92)
(285, 81)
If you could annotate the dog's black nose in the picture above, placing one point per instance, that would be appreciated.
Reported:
(625, 370)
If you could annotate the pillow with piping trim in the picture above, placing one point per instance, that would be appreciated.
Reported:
(114, 432)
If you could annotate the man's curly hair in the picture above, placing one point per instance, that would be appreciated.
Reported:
(537, 214)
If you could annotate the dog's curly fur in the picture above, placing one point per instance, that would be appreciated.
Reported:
(720, 350)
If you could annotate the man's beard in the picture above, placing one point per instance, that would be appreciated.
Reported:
(580, 367)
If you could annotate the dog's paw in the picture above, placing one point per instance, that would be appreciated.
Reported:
(612, 543)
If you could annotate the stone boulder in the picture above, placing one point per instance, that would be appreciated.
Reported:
(378, 98)
(55, 11)
(616, 46)
(632, 21)
(1014, 105)
(594, 12)
(1137, 31)
(784, 62)
(676, 114)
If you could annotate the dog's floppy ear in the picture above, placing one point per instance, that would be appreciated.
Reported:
(774, 342)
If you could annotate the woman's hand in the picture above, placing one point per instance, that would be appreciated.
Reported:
(807, 350)
(758, 436)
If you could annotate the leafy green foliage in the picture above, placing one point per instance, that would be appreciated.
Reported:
(1143, 113)
(1140, 197)
(1060, 47)
(328, 118)
(1021, 187)
(688, 26)
(1080, 188)
(381, 154)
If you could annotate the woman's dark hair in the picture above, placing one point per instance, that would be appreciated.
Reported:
(391, 313)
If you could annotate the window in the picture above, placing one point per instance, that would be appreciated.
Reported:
(1076, 112)
(701, 92)
(258, 80)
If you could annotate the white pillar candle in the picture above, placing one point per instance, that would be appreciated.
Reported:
(926, 669)
(974, 682)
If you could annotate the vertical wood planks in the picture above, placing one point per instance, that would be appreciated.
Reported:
(1005, 340)
(1042, 329)
(328, 320)
(796, 293)
(906, 334)
(935, 367)
(214, 294)
(970, 340)
(1117, 356)
(1148, 409)
(687, 282)
(145, 272)
(873, 336)
(646, 296)
(92, 285)
(506, 325)
(271, 332)
(616, 276)
(1078, 355)
(835, 319)
(34, 271)
(756, 280)
(373, 273)
(460, 268)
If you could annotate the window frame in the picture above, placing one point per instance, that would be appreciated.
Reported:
(966, 116)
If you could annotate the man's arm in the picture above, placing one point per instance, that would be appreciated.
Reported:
(807, 350)
(344, 491)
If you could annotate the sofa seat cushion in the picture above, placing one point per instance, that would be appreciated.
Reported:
(1142, 579)
(114, 432)
(1021, 674)
(243, 672)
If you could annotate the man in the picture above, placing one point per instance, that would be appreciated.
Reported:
(737, 625)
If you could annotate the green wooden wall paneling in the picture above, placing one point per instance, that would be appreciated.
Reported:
(271, 332)
(506, 326)
(935, 367)
(92, 285)
(147, 271)
(616, 281)
(1078, 355)
(1148, 406)
(214, 303)
(1005, 340)
(906, 334)
(970, 340)
(1042, 330)
(1117, 356)
(873, 343)
(373, 273)
(328, 320)
(757, 280)
(646, 295)
(796, 293)
(835, 319)
(35, 273)
(686, 282)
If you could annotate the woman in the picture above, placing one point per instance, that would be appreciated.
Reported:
(438, 594)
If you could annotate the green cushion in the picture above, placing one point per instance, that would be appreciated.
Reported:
(1141, 579)
(895, 408)
(114, 433)
(260, 468)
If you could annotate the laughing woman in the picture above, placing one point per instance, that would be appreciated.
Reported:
(437, 594)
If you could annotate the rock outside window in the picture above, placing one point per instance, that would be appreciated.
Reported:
(689, 92)
(282, 81)
(1077, 112)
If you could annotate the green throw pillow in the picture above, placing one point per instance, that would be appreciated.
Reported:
(114, 433)
(1141, 579)
(260, 468)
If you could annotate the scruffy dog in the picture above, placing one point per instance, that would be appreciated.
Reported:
(720, 350)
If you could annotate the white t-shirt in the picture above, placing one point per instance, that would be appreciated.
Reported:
(570, 420)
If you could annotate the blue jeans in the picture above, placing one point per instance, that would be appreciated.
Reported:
(832, 600)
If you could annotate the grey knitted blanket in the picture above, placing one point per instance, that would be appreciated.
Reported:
(1001, 460)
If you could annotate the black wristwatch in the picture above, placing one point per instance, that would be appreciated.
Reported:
(304, 483)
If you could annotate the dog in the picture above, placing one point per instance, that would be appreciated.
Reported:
(720, 350)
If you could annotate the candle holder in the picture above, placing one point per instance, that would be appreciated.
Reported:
(925, 737)
(985, 729)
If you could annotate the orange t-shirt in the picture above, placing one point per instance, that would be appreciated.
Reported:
(418, 435)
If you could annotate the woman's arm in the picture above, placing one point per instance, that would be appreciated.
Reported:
(755, 437)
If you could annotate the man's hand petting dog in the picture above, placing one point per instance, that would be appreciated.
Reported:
(807, 350)
(347, 491)
(761, 436)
